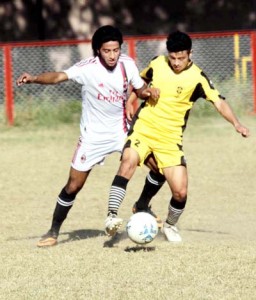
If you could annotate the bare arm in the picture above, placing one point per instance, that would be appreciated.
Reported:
(43, 78)
(143, 93)
(225, 110)
(130, 107)
(148, 92)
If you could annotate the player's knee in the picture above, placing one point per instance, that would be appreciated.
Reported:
(74, 186)
(66, 196)
(180, 196)
(127, 168)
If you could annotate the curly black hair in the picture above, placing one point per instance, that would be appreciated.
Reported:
(105, 34)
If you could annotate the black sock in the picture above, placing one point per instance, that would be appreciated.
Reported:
(63, 205)
(153, 183)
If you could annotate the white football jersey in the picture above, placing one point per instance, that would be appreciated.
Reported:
(104, 93)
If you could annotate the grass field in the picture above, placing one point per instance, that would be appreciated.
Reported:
(216, 260)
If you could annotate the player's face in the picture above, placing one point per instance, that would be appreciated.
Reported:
(179, 60)
(109, 54)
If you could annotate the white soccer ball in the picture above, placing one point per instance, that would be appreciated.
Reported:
(142, 228)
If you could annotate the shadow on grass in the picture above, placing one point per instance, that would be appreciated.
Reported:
(75, 235)
(205, 231)
(115, 240)
(138, 248)
(90, 233)
(81, 234)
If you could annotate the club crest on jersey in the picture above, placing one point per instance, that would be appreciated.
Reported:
(83, 158)
(179, 91)
(125, 86)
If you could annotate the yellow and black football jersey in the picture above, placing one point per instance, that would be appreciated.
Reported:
(166, 119)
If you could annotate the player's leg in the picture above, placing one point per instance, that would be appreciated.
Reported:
(153, 183)
(67, 196)
(129, 162)
(178, 181)
(64, 203)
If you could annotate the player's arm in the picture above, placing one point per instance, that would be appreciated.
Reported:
(226, 111)
(209, 92)
(43, 78)
(130, 109)
(146, 92)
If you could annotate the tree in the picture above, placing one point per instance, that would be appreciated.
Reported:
(64, 19)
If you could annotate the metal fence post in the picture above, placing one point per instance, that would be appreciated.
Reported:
(9, 103)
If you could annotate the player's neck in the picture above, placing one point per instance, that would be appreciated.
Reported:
(109, 68)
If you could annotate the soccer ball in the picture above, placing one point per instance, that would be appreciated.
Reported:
(142, 228)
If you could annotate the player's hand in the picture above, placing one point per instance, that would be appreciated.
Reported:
(242, 130)
(129, 111)
(25, 78)
(152, 93)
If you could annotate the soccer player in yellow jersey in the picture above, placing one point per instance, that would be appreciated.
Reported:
(159, 125)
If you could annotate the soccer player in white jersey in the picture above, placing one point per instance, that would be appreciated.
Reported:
(104, 78)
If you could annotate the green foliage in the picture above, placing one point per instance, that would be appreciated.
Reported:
(47, 113)
(237, 94)
(163, 16)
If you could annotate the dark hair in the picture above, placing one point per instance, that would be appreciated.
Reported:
(178, 41)
(103, 35)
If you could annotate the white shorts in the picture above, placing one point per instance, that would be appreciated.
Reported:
(88, 155)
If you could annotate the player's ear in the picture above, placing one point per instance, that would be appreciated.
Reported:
(190, 54)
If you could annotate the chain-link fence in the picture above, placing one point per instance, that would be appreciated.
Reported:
(225, 58)
(227, 61)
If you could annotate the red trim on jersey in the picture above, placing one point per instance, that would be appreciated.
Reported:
(86, 62)
(125, 87)
(76, 151)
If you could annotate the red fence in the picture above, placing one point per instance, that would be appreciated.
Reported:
(227, 57)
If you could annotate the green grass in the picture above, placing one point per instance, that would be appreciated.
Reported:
(216, 260)
(45, 113)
